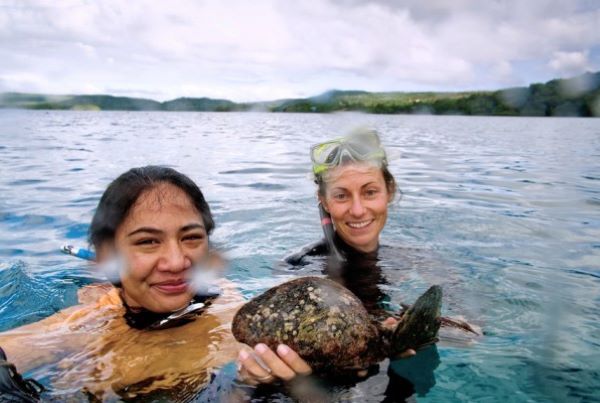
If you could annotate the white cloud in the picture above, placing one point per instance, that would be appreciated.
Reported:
(23, 82)
(243, 50)
(87, 50)
(570, 63)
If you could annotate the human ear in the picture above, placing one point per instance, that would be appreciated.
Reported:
(390, 188)
(323, 202)
(390, 196)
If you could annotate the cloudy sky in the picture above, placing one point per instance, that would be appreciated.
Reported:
(267, 49)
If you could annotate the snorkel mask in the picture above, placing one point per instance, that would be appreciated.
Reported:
(359, 146)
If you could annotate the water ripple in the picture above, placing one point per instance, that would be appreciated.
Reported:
(504, 212)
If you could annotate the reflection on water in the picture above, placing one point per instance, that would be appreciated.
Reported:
(502, 211)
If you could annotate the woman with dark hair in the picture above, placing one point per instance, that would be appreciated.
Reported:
(159, 326)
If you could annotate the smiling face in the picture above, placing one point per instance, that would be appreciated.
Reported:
(357, 198)
(160, 240)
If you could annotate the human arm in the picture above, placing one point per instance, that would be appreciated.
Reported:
(313, 249)
(40, 342)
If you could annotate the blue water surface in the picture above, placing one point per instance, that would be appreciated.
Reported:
(504, 211)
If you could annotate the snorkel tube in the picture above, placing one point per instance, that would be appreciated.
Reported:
(81, 253)
(361, 145)
(329, 232)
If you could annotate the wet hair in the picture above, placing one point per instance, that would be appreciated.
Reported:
(390, 181)
(123, 192)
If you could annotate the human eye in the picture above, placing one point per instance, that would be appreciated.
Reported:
(194, 237)
(146, 242)
(340, 196)
(372, 192)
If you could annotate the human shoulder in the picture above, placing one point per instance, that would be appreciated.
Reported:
(93, 293)
(228, 293)
(318, 248)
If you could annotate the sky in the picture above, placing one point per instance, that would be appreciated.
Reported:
(268, 49)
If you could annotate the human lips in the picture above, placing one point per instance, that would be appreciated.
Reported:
(359, 224)
(172, 286)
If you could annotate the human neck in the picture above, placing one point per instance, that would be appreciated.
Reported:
(342, 244)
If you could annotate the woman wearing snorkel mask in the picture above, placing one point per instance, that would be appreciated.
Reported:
(154, 328)
(355, 188)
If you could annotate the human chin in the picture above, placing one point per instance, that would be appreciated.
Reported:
(164, 302)
(365, 240)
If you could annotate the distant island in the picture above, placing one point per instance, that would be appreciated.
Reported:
(577, 96)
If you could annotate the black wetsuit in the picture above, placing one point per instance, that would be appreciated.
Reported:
(143, 319)
(13, 387)
(362, 274)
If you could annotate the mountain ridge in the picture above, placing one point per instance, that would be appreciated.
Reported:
(576, 96)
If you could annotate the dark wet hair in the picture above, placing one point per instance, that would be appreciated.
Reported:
(123, 192)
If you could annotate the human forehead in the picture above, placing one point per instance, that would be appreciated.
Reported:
(162, 198)
(354, 174)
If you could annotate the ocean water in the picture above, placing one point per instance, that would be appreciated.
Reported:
(504, 212)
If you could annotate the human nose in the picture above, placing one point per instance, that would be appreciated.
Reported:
(357, 208)
(174, 258)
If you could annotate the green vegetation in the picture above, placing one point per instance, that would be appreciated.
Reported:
(77, 102)
(200, 104)
(578, 96)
